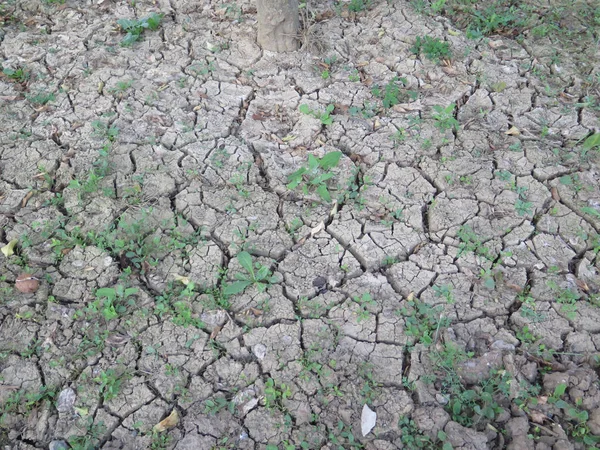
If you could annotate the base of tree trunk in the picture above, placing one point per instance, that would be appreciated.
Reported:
(278, 25)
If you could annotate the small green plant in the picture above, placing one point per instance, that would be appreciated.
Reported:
(433, 48)
(364, 302)
(342, 437)
(444, 117)
(105, 130)
(41, 98)
(392, 93)
(275, 394)
(423, 321)
(120, 88)
(256, 274)
(110, 383)
(324, 117)
(413, 437)
(134, 28)
(19, 74)
(213, 406)
(91, 439)
(112, 302)
(471, 242)
(316, 175)
(357, 6)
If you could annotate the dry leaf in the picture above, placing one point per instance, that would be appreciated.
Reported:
(537, 416)
(367, 420)
(184, 280)
(317, 229)
(9, 248)
(582, 285)
(167, 423)
(411, 297)
(555, 195)
(215, 332)
(513, 131)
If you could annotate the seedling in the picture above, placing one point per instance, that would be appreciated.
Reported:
(19, 74)
(275, 394)
(392, 93)
(110, 383)
(135, 27)
(364, 302)
(316, 175)
(112, 302)
(444, 117)
(433, 48)
(325, 117)
(256, 274)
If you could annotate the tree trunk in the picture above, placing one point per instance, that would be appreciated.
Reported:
(278, 25)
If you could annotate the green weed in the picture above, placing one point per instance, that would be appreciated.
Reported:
(325, 117)
(20, 74)
(255, 274)
(444, 117)
(133, 28)
(315, 175)
(433, 48)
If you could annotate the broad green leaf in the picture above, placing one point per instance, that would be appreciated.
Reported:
(237, 287)
(560, 389)
(245, 261)
(324, 193)
(262, 273)
(456, 407)
(326, 119)
(109, 293)
(9, 248)
(489, 283)
(153, 21)
(592, 141)
(313, 163)
(330, 108)
(304, 109)
(130, 291)
(441, 435)
(126, 24)
(321, 178)
(129, 39)
(330, 160)
(566, 180)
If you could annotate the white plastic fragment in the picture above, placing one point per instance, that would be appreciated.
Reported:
(367, 420)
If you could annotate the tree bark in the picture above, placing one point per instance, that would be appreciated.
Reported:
(278, 25)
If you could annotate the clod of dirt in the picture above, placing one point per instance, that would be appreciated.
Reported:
(27, 283)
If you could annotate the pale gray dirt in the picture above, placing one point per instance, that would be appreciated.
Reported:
(489, 231)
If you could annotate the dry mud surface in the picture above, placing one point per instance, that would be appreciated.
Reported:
(451, 284)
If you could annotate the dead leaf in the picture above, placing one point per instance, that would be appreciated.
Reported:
(555, 194)
(513, 131)
(167, 423)
(9, 248)
(215, 332)
(184, 280)
(117, 339)
(26, 199)
(582, 285)
(411, 297)
(537, 416)
(317, 229)
(367, 420)
(88, 269)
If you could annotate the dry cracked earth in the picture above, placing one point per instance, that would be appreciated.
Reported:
(444, 271)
